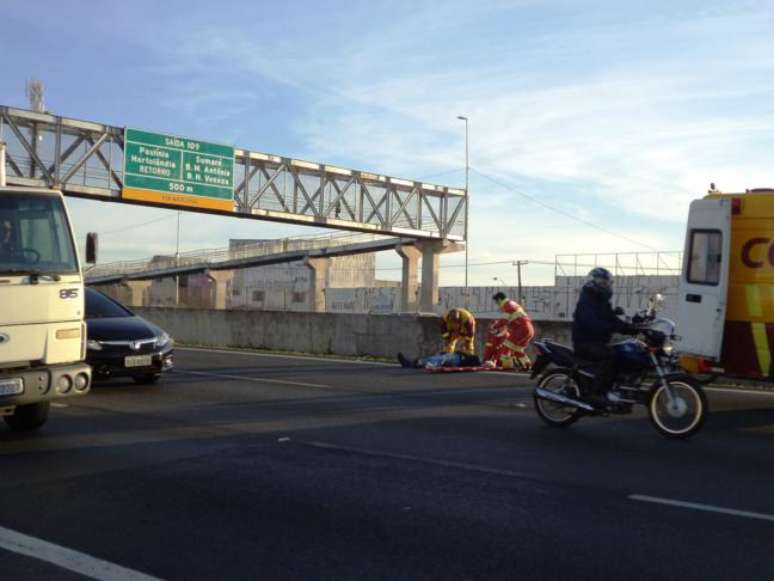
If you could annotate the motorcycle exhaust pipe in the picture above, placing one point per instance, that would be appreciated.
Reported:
(551, 396)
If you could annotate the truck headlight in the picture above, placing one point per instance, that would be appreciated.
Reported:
(81, 381)
(163, 339)
(93, 345)
(64, 384)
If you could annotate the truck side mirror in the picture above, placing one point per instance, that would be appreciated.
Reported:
(91, 247)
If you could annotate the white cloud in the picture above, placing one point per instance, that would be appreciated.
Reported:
(615, 114)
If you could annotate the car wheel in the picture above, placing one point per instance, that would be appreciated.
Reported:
(147, 379)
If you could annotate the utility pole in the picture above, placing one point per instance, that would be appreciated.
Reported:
(2, 163)
(467, 194)
(35, 95)
(177, 262)
(34, 92)
(518, 264)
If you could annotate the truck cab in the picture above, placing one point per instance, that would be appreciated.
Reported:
(42, 333)
(726, 297)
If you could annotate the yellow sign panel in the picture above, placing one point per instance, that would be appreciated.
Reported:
(177, 199)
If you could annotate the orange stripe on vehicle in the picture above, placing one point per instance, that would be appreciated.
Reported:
(761, 340)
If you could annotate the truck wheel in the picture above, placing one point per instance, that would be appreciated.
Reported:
(28, 417)
(146, 379)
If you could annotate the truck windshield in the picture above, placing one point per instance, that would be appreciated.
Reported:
(35, 235)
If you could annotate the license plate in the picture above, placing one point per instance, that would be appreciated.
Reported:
(138, 361)
(13, 386)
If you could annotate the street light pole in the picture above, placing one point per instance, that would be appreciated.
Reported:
(467, 193)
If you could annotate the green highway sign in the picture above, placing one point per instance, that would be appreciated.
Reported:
(177, 171)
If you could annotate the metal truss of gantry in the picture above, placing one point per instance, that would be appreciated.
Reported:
(86, 159)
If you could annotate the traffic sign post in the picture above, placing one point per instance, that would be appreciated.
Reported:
(177, 171)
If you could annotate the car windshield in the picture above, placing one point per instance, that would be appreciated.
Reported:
(35, 236)
(99, 306)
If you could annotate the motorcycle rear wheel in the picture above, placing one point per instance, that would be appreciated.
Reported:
(556, 414)
(685, 416)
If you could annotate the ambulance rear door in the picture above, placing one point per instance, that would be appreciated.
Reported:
(703, 291)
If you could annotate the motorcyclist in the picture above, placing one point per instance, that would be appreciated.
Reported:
(593, 325)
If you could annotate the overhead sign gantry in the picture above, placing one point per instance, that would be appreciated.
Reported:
(103, 162)
(173, 170)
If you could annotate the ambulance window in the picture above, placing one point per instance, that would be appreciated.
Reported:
(705, 257)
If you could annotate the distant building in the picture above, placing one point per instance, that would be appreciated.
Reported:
(288, 286)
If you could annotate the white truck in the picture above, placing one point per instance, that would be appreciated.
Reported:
(42, 331)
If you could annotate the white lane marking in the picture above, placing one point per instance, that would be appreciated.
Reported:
(740, 390)
(383, 364)
(302, 357)
(411, 458)
(256, 379)
(69, 559)
(702, 507)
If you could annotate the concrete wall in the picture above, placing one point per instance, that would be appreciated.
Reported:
(342, 334)
(196, 291)
(541, 302)
(287, 286)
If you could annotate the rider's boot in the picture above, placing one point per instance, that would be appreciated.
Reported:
(597, 400)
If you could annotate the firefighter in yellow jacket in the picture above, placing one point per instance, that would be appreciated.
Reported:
(458, 325)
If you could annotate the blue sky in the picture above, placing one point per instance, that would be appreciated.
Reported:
(617, 113)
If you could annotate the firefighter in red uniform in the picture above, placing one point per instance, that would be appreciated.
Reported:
(495, 353)
(520, 332)
(458, 325)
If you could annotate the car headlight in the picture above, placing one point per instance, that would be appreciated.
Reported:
(163, 339)
(94, 345)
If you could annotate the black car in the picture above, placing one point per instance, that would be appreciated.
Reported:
(121, 344)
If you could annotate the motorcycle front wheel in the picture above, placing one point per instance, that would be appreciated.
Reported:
(681, 416)
(558, 415)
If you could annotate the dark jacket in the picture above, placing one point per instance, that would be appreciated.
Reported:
(594, 320)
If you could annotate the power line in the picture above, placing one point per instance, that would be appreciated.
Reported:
(492, 263)
(140, 225)
(439, 174)
(539, 202)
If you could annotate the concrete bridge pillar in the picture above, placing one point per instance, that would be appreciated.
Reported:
(431, 251)
(318, 281)
(137, 292)
(408, 288)
(220, 280)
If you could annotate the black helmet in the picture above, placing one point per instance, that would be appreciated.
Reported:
(601, 281)
(499, 296)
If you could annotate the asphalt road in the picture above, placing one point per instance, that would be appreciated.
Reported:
(246, 466)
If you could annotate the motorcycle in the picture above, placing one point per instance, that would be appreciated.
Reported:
(646, 375)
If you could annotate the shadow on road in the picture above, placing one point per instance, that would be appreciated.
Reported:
(740, 419)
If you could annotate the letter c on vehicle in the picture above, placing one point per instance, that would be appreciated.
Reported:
(747, 249)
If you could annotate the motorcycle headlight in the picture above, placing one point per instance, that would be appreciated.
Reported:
(93, 345)
(163, 339)
(668, 348)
